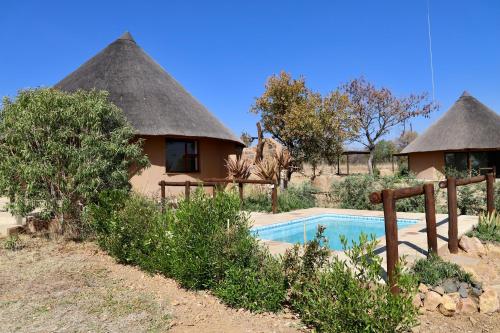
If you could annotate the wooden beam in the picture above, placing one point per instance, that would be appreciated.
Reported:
(391, 237)
(452, 215)
(430, 218)
(400, 193)
(490, 193)
(463, 181)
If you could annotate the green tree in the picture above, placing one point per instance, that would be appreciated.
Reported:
(384, 150)
(59, 150)
(379, 110)
(311, 127)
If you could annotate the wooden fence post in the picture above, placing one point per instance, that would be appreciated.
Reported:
(391, 237)
(187, 190)
(347, 163)
(452, 214)
(490, 192)
(430, 217)
(162, 186)
(240, 190)
(274, 198)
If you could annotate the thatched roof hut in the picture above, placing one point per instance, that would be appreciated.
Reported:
(182, 139)
(468, 124)
(465, 138)
(153, 101)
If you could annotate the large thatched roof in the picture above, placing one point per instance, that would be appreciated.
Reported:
(153, 101)
(468, 124)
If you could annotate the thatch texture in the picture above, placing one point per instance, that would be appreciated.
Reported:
(153, 101)
(467, 125)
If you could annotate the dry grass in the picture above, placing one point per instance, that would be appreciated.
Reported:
(57, 286)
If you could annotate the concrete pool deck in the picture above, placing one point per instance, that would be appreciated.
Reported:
(412, 239)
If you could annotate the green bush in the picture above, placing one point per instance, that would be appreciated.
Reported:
(209, 236)
(353, 191)
(13, 243)
(60, 150)
(346, 296)
(131, 228)
(488, 228)
(294, 197)
(471, 199)
(259, 287)
(434, 270)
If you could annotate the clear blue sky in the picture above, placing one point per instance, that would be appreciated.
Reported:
(223, 51)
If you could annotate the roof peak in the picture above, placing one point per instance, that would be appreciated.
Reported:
(466, 94)
(126, 36)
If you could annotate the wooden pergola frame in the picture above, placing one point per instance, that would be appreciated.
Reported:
(347, 153)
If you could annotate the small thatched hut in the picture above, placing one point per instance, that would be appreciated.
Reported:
(183, 140)
(465, 138)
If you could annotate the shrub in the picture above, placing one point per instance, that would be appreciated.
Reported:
(471, 199)
(353, 191)
(297, 197)
(346, 296)
(209, 236)
(259, 287)
(294, 197)
(434, 270)
(131, 228)
(13, 243)
(60, 150)
(488, 228)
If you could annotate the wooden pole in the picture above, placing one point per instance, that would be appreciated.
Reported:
(338, 165)
(187, 190)
(347, 162)
(240, 190)
(392, 162)
(490, 192)
(452, 215)
(274, 198)
(391, 237)
(430, 217)
(162, 186)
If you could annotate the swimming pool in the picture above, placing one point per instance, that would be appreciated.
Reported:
(351, 226)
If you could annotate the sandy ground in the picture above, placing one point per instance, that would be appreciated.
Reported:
(56, 286)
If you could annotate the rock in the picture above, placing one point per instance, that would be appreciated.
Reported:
(463, 292)
(423, 288)
(467, 305)
(450, 286)
(478, 285)
(448, 307)
(472, 245)
(476, 291)
(464, 285)
(432, 300)
(439, 290)
(455, 297)
(422, 296)
(417, 302)
(488, 301)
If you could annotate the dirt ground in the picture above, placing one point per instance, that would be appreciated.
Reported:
(57, 286)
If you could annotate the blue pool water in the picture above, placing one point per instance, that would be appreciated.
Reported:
(350, 226)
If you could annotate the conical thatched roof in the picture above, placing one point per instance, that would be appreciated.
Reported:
(468, 124)
(153, 101)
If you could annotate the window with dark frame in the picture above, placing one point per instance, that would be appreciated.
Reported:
(181, 156)
(456, 161)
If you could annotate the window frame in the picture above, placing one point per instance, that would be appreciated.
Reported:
(195, 156)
